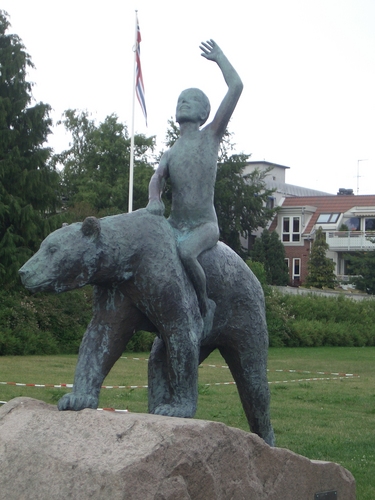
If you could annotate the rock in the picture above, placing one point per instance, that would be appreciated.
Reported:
(92, 455)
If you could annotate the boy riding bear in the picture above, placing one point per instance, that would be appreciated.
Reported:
(191, 165)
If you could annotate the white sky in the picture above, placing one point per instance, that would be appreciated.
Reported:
(308, 67)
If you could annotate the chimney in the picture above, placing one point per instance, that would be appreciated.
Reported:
(345, 192)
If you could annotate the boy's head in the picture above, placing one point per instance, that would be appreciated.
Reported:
(192, 106)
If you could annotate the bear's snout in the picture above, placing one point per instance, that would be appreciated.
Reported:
(23, 273)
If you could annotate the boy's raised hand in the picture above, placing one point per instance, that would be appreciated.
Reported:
(211, 50)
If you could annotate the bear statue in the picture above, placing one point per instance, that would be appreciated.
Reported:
(140, 284)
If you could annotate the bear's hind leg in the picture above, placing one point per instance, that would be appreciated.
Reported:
(249, 369)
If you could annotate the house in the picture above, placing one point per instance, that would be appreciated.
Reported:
(346, 219)
(275, 181)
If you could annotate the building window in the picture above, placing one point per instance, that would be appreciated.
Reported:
(270, 203)
(328, 218)
(354, 224)
(296, 269)
(291, 229)
(369, 224)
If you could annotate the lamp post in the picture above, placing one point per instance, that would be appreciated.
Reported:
(358, 174)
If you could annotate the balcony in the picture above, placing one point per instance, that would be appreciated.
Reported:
(350, 241)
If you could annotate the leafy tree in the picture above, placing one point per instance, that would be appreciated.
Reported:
(28, 184)
(362, 264)
(319, 267)
(240, 200)
(95, 176)
(173, 133)
(269, 250)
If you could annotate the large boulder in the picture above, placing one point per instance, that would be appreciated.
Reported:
(92, 455)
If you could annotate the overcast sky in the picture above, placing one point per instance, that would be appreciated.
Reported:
(308, 67)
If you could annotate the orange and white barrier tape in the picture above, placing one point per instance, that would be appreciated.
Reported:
(70, 386)
(99, 409)
(336, 376)
(57, 386)
(113, 409)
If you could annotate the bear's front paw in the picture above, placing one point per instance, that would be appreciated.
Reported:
(77, 402)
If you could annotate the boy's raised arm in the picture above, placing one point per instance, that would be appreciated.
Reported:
(212, 52)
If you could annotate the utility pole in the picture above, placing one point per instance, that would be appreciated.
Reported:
(358, 174)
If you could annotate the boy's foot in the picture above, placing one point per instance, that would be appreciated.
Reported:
(208, 318)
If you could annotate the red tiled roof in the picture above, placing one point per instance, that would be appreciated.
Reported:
(329, 204)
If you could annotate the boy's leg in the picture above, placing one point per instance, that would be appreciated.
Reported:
(197, 241)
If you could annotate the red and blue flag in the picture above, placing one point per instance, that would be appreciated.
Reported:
(139, 87)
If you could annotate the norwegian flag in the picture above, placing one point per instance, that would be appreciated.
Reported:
(139, 88)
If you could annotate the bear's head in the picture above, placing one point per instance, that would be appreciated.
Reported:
(67, 259)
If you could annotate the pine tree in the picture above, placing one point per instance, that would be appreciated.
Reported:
(276, 261)
(259, 253)
(319, 267)
(269, 250)
(28, 185)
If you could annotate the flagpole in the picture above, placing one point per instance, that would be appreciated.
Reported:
(131, 171)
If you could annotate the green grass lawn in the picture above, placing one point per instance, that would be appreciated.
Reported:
(331, 419)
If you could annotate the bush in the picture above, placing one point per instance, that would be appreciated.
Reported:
(312, 321)
(43, 324)
(140, 342)
(51, 324)
(278, 315)
(259, 271)
(55, 324)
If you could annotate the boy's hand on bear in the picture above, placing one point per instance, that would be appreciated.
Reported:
(155, 207)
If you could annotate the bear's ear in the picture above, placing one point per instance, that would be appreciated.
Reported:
(91, 227)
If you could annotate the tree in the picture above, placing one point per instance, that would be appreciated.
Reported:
(28, 183)
(269, 250)
(362, 264)
(277, 262)
(240, 200)
(319, 267)
(96, 166)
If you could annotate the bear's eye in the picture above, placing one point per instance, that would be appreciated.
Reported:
(52, 250)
